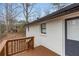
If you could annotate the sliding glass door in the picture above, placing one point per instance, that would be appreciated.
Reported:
(72, 37)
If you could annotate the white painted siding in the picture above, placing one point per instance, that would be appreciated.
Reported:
(53, 37)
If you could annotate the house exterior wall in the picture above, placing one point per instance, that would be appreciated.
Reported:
(49, 40)
(34, 31)
(54, 39)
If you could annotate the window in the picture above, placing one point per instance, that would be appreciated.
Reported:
(43, 28)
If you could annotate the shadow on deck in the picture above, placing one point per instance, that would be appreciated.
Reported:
(38, 51)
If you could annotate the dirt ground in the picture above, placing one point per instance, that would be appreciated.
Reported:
(11, 36)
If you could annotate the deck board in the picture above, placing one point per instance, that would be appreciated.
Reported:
(38, 51)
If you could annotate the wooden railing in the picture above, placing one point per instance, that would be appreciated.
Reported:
(17, 45)
(2, 48)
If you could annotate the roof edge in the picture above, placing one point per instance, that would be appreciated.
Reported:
(67, 8)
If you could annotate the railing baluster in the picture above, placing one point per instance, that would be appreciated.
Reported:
(17, 45)
(14, 47)
(21, 44)
(11, 47)
(6, 48)
(24, 44)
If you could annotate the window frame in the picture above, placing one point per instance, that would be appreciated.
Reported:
(43, 27)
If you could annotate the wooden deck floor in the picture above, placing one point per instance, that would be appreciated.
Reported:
(38, 51)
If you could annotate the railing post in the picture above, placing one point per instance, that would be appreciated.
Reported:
(2, 52)
(32, 43)
(5, 50)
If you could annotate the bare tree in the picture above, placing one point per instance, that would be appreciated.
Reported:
(28, 11)
(2, 22)
(11, 14)
(47, 11)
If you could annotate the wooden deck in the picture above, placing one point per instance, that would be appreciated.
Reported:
(38, 51)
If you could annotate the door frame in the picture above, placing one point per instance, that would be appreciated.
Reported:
(66, 28)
